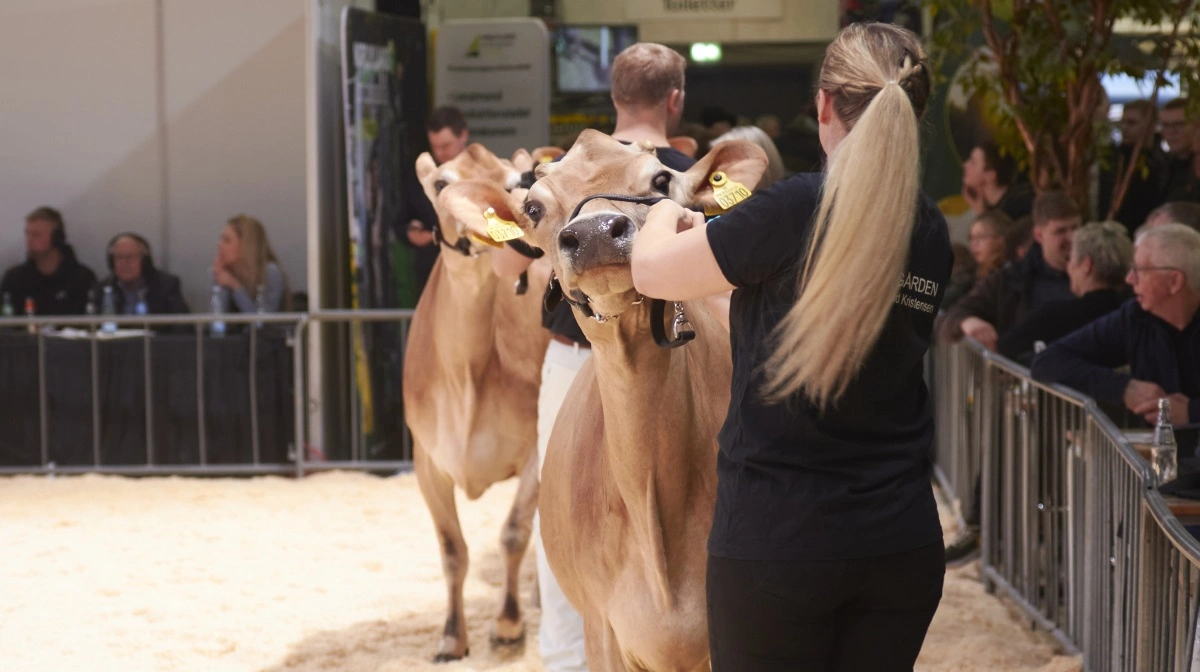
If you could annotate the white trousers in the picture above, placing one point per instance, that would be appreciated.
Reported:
(560, 635)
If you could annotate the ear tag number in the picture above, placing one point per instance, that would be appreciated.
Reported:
(726, 192)
(500, 229)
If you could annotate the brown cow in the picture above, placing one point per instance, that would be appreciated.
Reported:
(629, 482)
(471, 376)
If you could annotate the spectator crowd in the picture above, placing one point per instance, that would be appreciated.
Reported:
(1109, 308)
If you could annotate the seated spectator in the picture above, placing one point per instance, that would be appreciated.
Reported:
(774, 171)
(245, 267)
(1019, 238)
(1101, 253)
(1157, 335)
(1006, 298)
(135, 278)
(1175, 212)
(989, 181)
(51, 276)
(987, 249)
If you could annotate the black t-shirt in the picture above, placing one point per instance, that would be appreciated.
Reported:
(854, 482)
(561, 320)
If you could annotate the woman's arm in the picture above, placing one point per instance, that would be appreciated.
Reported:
(246, 301)
(672, 258)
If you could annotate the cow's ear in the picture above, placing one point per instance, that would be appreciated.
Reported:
(425, 166)
(466, 202)
(740, 162)
(547, 154)
(522, 161)
(544, 169)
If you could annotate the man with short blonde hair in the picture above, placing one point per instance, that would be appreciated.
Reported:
(647, 90)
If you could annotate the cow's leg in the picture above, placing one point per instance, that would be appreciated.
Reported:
(600, 643)
(438, 489)
(514, 540)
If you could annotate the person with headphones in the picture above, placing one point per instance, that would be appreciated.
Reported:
(51, 277)
(134, 278)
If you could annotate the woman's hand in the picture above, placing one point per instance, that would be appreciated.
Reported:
(666, 210)
(224, 278)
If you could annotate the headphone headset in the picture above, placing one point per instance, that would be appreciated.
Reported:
(147, 262)
(59, 237)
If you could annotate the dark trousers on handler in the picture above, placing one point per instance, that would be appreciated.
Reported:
(868, 614)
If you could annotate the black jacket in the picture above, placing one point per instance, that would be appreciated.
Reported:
(1008, 296)
(164, 294)
(63, 293)
(1154, 351)
(1055, 320)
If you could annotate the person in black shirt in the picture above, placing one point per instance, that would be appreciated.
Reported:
(826, 548)
(989, 182)
(135, 279)
(1101, 253)
(51, 277)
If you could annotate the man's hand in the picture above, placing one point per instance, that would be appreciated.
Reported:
(418, 235)
(1138, 393)
(1149, 408)
(981, 331)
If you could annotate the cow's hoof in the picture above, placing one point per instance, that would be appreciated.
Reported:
(499, 642)
(450, 657)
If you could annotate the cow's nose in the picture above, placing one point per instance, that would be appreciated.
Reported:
(597, 239)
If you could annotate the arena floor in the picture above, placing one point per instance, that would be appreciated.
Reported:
(332, 572)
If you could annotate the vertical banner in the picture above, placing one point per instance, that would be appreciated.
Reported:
(498, 73)
(383, 74)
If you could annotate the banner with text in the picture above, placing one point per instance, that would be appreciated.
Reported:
(654, 10)
(498, 73)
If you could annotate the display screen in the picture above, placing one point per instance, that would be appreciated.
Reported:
(583, 56)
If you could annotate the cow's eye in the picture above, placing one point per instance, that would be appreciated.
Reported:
(439, 186)
(534, 211)
(662, 182)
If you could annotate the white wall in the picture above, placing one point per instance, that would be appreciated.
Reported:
(164, 117)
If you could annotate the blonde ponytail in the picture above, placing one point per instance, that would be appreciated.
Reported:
(858, 248)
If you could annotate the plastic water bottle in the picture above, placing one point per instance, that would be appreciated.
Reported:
(260, 303)
(140, 308)
(31, 313)
(108, 307)
(1164, 452)
(6, 310)
(218, 325)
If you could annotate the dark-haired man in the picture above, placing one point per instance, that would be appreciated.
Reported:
(448, 136)
(989, 182)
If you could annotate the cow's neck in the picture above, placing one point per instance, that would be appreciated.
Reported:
(464, 334)
(659, 429)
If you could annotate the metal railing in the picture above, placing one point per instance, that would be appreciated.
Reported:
(345, 447)
(1073, 531)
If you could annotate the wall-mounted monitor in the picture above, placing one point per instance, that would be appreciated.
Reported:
(583, 56)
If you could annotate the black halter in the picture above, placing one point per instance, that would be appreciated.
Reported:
(682, 332)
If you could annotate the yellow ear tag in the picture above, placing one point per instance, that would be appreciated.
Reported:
(546, 158)
(500, 229)
(485, 240)
(727, 192)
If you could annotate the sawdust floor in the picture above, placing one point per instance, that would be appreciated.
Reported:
(333, 572)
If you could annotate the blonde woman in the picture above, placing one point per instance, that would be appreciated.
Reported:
(246, 267)
(826, 551)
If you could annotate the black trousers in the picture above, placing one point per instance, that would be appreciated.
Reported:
(869, 614)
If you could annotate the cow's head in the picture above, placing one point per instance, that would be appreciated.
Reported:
(452, 185)
(590, 249)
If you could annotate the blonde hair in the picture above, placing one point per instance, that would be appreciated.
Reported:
(774, 171)
(254, 253)
(876, 77)
(644, 74)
